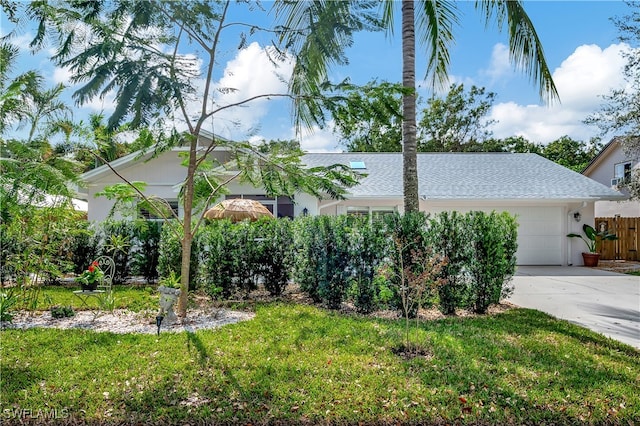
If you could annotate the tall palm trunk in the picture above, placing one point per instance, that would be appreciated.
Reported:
(409, 143)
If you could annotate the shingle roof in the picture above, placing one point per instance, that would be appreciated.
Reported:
(464, 176)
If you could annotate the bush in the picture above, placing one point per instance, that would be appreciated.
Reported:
(218, 263)
(307, 255)
(408, 237)
(85, 247)
(368, 247)
(145, 251)
(275, 254)
(170, 255)
(322, 263)
(493, 261)
(8, 300)
(62, 312)
(449, 233)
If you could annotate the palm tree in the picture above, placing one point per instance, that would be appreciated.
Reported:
(328, 29)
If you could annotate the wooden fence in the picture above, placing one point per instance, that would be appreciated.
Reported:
(626, 229)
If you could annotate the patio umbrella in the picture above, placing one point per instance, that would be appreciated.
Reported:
(238, 209)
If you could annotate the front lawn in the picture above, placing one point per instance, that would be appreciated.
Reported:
(301, 364)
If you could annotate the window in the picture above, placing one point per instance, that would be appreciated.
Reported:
(151, 214)
(358, 211)
(357, 165)
(376, 213)
(622, 170)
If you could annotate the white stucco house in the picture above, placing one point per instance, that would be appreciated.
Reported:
(548, 200)
(609, 167)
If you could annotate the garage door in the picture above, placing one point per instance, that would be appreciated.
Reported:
(540, 235)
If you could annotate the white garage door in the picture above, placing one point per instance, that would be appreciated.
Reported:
(539, 235)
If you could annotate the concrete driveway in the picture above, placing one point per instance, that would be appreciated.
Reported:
(605, 302)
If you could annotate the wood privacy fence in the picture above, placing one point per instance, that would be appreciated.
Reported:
(626, 229)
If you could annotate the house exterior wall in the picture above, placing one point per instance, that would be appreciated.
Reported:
(603, 171)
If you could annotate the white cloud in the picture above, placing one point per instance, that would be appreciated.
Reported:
(318, 140)
(61, 75)
(106, 104)
(499, 66)
(250, 74)
(22, 41)
(587, 74)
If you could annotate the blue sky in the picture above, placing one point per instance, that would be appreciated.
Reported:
(579, 39)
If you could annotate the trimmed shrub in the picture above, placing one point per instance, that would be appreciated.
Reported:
(449, 234)
(145, 249)
(85, 247)
(493, 261)
(275, 257)
(408, 239)
(368, 247)
(323, 258)
(218, 266)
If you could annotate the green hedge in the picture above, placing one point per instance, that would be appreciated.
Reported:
(333, 259)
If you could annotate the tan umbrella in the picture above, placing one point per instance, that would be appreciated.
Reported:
(238, 209)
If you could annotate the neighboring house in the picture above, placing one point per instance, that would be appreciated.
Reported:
(549, 200)
(610, 167)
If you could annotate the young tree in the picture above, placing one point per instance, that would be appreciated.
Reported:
(330, 26)
(160, 58)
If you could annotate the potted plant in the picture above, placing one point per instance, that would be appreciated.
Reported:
(592, 239)
(90, 278)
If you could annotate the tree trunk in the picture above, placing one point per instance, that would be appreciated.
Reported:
(409, 143)
(187, 237)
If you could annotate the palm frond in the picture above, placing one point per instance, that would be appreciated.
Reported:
(525, 48)
(435, 27)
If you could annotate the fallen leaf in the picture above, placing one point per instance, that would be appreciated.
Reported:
(462, 399)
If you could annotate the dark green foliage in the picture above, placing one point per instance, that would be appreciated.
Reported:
(323, 258)
(275, 256)
(218, 264)
(493, 262)
(170, 256)
(237, 256)
(368, 248)
(449, 233)
(62, 312)
(84, 248)
(407, 236)
(145, 250)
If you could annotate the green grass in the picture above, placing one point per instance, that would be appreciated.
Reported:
(130, 297)
(301, 364)
(636, 273)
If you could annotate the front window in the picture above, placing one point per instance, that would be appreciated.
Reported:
(622, 170)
